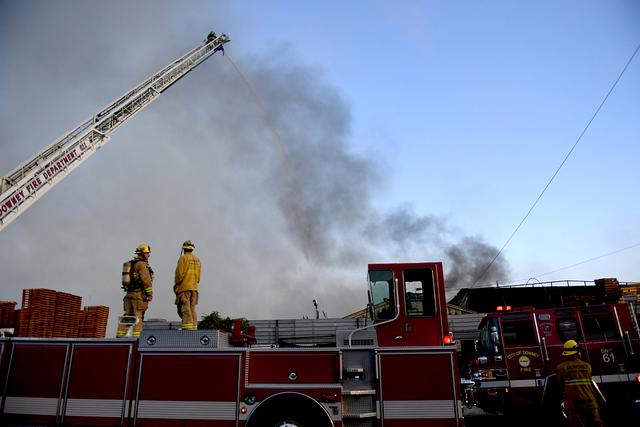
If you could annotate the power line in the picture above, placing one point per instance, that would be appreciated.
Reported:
(484, 272)
(576, 264)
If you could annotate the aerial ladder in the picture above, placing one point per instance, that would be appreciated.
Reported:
(27, 183)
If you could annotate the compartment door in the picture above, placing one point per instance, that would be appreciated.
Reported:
(419, 389)
(35, 382)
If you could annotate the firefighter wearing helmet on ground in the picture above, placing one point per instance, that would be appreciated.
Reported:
(579, 396)
(138, 283)
(187, 278)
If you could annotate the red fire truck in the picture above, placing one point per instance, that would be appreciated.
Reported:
(520, 347)
(400, 369)
(397, 370)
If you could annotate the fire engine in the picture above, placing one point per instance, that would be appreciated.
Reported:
(397, 369)
(519, 348)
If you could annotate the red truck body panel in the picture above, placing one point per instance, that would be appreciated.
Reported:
(309, 368)
(406, 383)
(98, 383)
(201, 389)
(175, 378)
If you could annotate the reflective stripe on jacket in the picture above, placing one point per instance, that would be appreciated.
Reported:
(575, 376)
(187, 273)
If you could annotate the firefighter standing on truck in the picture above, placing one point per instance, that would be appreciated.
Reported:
(186, 286)
(574, 375)
(139, 289)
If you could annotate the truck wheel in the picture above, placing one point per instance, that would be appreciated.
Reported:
(289, 410)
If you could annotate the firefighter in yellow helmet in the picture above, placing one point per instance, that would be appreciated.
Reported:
(574, 375)
(187, 279)
(139, 290)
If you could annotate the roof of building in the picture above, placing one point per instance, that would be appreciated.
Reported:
(557, 294)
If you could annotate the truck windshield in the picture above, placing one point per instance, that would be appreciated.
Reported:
(382, 295)
(518, 332)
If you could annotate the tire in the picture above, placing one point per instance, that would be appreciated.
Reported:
(289, 410)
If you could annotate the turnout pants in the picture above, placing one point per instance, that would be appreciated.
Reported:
(186, 304)
(583, 417)
(134, 305)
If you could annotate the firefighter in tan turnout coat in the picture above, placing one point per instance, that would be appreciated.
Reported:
(139, 289)
(186, 286)
(580, 399)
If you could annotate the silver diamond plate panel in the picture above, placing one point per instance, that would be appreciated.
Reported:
(358, 404)
(163, 340)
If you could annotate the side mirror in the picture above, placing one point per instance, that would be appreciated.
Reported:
(495, 339)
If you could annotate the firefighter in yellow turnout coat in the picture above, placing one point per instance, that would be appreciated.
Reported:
(186, 286)
(580, 399)
(139, 291)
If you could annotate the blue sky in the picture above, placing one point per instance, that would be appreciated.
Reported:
(455, 113)
(473, 106)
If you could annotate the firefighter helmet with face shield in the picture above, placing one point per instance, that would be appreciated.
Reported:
(143, 249)
(570, 347)
(188, 245)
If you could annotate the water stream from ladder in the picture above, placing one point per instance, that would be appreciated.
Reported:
(295, 214)
(267, 117)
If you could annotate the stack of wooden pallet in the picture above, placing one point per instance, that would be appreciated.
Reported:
(67, 315)
(609, 289)
(93, 322)
(7, 313)
(47, 313)
(39, 306)
(631, 292)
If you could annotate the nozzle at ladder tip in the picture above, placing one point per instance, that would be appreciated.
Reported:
(223, 38)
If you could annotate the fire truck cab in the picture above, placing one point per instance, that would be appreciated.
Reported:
(520, 348)
(408, 305)
(399, 369)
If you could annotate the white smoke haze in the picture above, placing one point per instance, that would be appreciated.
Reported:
(201, 163)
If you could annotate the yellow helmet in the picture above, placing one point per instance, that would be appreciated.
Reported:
(143, 249)
(570, 347)
(188, 245)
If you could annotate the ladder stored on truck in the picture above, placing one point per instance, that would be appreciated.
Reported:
(32, 179)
